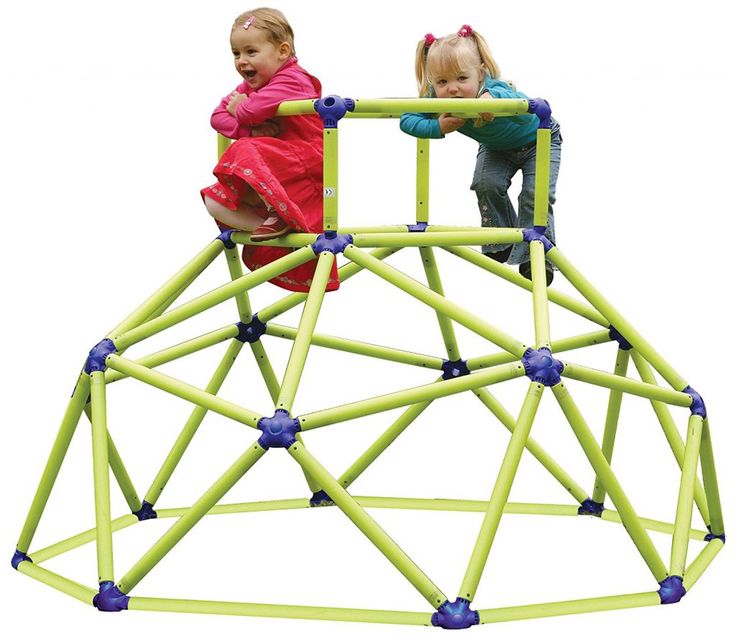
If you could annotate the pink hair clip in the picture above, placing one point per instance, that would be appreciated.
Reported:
(465, 31)
(251, 19)
(429, 40)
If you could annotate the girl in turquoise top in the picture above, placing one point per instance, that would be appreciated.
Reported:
(461, 66)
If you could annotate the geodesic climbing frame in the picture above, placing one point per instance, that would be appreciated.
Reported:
(107, 364)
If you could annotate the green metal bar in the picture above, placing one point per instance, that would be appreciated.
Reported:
(184, 391)
(330, 169)
(541, 178)
(434, 300)
(485, 236)
(291, 240)
(564, 344)
(300, 349)
(368, 526)
(79, 540)
(594, 297)
(236, 271)
(229, 608)
(500, 493)
(462, 505)
(176, 285)
(53, 464)
(471, 107)
(190, 428)
(562, 608)
(77, 591)
(264, 365)
(178, 351)
(683, 517)
(421, 393)
(653, 524)
(256, 506)
(669, 428)
(611, 425)
(345, 272)
(480, 260)
(700, 563)
(101, 464)
(509, 421)
(362, 348)
(539, 291)
(223, 143)
(213, 298)
(422, 180)
(382, 443)
(710, 482)
(627, 385)
(435, 284)
(205, 503)
(624, 508)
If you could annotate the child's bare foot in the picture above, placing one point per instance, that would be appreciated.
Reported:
(273, 227)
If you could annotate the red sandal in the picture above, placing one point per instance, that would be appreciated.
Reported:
(273, 227)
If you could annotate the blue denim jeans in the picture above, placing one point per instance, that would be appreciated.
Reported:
(491, 180)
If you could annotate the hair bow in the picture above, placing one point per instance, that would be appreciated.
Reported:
(465, 31)
(429, 39)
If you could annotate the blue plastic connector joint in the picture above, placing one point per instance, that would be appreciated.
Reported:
(110, 598)
(333, 108)
(226, 238)
(671, 590)
(18, 558)
(97, 356)
(541, 367)
(454, 369)
(331, 241)
(536, 233)
(279, 431)
(146, 512)
(590, 508)
(457, 615)
(252, 331)
(418, 227)
(541, 108)
(321, 499)
(710, 536)
(614, 334)
(698, 405)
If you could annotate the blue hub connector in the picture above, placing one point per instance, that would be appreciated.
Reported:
(614, 334)
(333, 108)
(698, 406)
(18, 558)
(454, 369)
(110, 598)
(710, 536)
(418, 227)
(671, 590)
(541, 108)
(536, 233)
(321, 499)
(542, 367)
(226, 238)
(590, 508)
(333, 242)
(252, 331)
(146, 512)
(279, 431)
(457, 615)
(97, 356)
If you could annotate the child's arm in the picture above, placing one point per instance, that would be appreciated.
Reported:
(263, 103)
(225, 123)
(425, 127)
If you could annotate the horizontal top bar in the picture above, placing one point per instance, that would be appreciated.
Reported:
(394, 107)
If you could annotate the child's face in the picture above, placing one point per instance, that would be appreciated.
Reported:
(257, 59)
(462, 83)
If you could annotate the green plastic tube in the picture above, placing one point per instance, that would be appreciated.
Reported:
(539, 295)
(330, 167)
(73, 589)
(435, 284)
(701, 562)
(422, 180)
(710, 482)
(541, 178)
(487, 236)
(236, 271)
(501, 491)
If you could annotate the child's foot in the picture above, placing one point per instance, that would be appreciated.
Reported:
(273, 227)
(501, 256)
(525, 269)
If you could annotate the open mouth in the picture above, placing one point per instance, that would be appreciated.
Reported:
(249, 74)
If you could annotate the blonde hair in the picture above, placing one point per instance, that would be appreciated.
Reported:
(452, 53)
(271, 21)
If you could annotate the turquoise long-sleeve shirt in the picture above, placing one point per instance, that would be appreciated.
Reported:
(503, 133)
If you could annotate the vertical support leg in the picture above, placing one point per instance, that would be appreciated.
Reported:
(683, 518)
(329, 201)
(612, 415)
(541, 178)
(500, 493)
(101, 465)
(710, 483)
(53, 464)
(539, 292)
(422, 180)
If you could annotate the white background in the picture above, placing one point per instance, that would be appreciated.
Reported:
(105, 144)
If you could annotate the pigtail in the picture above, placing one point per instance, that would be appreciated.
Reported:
(483, 50)
(420, 64)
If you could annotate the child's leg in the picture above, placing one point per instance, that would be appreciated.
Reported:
(246, 217)
(491, 181)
